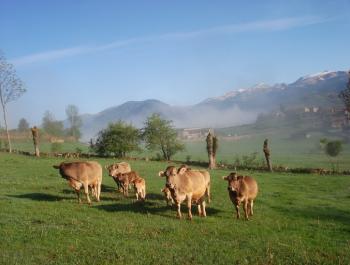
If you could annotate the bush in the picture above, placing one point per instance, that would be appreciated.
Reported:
(56, 147)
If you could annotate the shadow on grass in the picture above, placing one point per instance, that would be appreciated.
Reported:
(40, 197)
(317, 213)
(149, 207)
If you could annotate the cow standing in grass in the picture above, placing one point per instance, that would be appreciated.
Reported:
(125, 180)
(83, 174)
(140, 188)
(242, 189)
(116, 169)
(189, 185)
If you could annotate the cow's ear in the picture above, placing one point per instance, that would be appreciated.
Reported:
(182, 170)
(224, 178)
(56, 166)
(161, 174)
(173, 171)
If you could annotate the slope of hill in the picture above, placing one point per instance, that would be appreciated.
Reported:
(234, 108)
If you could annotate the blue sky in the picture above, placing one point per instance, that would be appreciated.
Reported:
(98, 54)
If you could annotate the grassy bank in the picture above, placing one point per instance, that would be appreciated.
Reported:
(299, 219)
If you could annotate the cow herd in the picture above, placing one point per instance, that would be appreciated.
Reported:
(182, 184)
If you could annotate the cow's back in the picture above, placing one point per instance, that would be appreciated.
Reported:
(251, 187)
(195, 183)
(89, 171)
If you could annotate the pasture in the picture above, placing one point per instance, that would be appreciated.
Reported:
(299, 219)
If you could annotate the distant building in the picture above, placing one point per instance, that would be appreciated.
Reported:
(192, 133)
(315, 109)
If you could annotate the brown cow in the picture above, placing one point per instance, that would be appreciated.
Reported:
(167, 194)
(125, 179)
(140, 188)
(118, 168)
(83, 174)
(190, 185)
(242, 189)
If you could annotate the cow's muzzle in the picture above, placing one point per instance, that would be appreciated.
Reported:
(170, 186)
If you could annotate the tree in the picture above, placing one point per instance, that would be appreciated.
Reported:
(267, 154)
(35, 133)
(118, 139)
(159, 134)
(345, 96)
(331, 149)
(23, 125)
(51, 126)
(75, 121)
(212, 147)
(11, 88)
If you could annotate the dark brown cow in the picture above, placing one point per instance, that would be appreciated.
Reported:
(242, 189)
(83, 174)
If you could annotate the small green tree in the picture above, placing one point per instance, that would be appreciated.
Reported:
(23, 125)
(75, 121)
(56, 147)
(160, 135)
(345, 96)
(118, 140)
(51, 126)
(332, 149)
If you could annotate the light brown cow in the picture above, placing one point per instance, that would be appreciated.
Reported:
(118, 168)
(167, 194)
(83, 174)
(242, 189)
(140, 188)
(125, 179)
(190, 185)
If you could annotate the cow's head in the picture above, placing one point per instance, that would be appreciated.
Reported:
(112, 170)
(233, 181)
(60, 167)
(170, 175)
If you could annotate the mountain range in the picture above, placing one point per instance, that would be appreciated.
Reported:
(237, 107)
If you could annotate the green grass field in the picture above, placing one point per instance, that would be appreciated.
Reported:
(293, 153)
(299, 219)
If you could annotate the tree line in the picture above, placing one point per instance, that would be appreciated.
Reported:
(121, 138)
(53, 127)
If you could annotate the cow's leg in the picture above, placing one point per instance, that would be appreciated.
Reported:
(208, 193)
(237, 210)
(204, 213)
(98, 191)
(179, 210)
(199, 209)
(143, 194)
(78, 194)
(189, 206)
(86, 190)
(245, 207)
(251, 207)
(137, 195)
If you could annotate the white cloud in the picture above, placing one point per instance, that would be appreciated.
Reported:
(262, 25)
